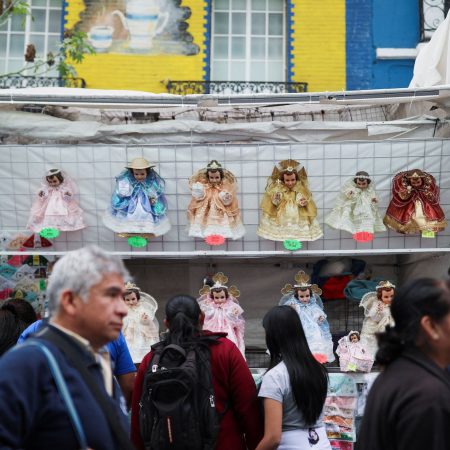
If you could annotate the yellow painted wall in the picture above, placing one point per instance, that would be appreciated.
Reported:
(137, 71)
(319, 44)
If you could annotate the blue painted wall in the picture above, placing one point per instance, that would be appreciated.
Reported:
(373, 24)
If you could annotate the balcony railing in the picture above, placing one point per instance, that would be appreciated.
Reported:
(432, 14)
(18, 82)
(233, 87)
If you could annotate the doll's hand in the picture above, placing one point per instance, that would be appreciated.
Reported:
(303, 202)
(409, 188)
(68, 194)
(374, 200)
(152, 200)
(41, 194)
(277, 196)
(350, 194)
(321, 319)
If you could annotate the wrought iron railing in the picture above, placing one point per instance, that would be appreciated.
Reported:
(17, 81)
(432, 14)
(187, 87)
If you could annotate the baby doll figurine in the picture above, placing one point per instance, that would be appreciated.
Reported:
(377, 312)
(415, 204)
(55, 205)
(140, 327)
(222, 311)
(353, 357)
(288, 209)
(304, 297)
(214, 208)
(356, 209)
(138, 204)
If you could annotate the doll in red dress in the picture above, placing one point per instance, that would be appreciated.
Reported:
(415, 204)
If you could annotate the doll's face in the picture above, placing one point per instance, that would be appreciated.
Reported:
(289, 180)
(354, 338)
(214, 177)
(219, 297)
(387, 296)
(304, 296)
(415, 182)
(362, 183)
(139, 174)
(131, 299)
(53, 181)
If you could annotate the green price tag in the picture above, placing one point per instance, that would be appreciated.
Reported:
(137, 241)
(49, 233)
(42, 285)
(428, 234)
(292, 244)
(351, 367)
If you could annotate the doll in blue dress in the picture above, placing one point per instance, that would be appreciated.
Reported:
(138, 204)
(304, 297)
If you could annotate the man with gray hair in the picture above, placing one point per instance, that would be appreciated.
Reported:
(86, 312)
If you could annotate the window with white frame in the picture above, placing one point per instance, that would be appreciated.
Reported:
(248, 40)
(42, 28)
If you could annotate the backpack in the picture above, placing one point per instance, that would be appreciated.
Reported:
(177, 407)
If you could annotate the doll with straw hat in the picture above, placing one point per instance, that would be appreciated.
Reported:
(138, 204)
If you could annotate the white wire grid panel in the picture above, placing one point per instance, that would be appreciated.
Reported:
(328, 166)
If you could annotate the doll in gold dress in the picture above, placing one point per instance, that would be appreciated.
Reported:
(214, 208)
(288, 209)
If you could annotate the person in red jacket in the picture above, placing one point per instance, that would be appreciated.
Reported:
(241, 425)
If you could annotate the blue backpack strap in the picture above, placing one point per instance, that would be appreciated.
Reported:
(62, 389)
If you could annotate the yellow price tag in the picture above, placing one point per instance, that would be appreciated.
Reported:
(428, 234)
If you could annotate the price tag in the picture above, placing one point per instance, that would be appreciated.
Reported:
(137, 241)
(428, 234)
(42, 285)
(215, 239)
(292, 244)
(49, 233)
(351, 367)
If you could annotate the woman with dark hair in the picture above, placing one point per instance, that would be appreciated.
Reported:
(23, 309)
(408, 407)
(234, 389)
(10, 327)
(294, 388)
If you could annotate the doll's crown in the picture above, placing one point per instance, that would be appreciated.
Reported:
(213, 165)
(220, 281)
(53, 172)
(415, 174)
(385, 285)
(129, 286)
(362, 175)
(302, 280)
(288, 165)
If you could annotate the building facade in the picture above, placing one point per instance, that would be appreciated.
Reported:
(160, 45)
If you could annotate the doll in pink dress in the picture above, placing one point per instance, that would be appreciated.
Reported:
(55, 205)
(222, 310)
(353, 356)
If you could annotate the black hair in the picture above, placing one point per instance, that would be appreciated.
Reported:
(23, 309)
(208, 281)
(303, 289)
(362, 174)
(220, 289)
(57, 175)
(147, 170)
(11, 326)
(414, 300)
(183, 316)
(286, 341)
(214, 171)
(130, 291)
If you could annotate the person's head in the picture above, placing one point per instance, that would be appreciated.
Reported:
(386, 295)
(303, 295)
(184, 319)
(219, 295)
(131, 297)
(54, 177)
(286, 341)
(353, 337)
(24, 310)
(10, 327)
(362, 179)
(421, 312)
(289, 178)
(85, 294)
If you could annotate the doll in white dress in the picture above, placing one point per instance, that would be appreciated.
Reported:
(356, 209)
(222, 310)
(55, 205)
(304, 297)
(353, 356)
(140, 327)
(377, 312)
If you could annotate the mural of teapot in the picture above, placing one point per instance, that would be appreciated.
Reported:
(143, 20)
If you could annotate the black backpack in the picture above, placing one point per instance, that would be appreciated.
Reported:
(177, 407)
